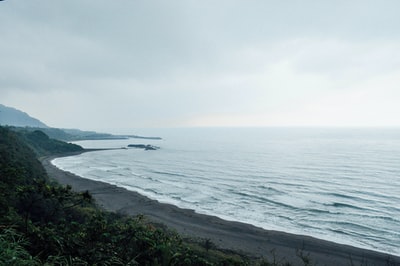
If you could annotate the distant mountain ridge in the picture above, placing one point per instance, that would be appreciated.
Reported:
(21, 121)
(13, 117)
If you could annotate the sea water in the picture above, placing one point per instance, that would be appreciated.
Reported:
(337, 184)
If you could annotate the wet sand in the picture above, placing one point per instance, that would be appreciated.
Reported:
(240, 237)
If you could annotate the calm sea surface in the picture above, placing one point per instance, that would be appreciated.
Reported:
(336, 184)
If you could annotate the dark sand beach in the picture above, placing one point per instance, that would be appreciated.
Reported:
(236, 236)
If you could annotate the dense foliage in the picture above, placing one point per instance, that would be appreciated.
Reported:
(70, 134)
(43, 223)
(43, 145)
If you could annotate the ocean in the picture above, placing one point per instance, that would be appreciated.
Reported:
(337, 184)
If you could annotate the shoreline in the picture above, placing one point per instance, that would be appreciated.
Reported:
(229, 235)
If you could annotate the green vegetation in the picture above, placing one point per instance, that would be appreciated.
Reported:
(21, 121)
(74, 134)
(43, 145)
(44, 223)
(67, 134)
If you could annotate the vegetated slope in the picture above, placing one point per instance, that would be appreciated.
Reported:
(20, 120)
(43, 145)
(43, 223)
(76, 134)
(68, 134)
(14, 117)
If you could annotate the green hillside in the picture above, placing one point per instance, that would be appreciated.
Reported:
(44, 223)
(22, 122)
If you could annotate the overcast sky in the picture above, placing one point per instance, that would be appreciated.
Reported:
(96, 64)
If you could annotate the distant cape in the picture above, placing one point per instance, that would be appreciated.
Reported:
(13, 117)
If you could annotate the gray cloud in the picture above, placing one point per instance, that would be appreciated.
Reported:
(170, 61)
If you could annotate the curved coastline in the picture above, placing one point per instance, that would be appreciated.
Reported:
(241, 237)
